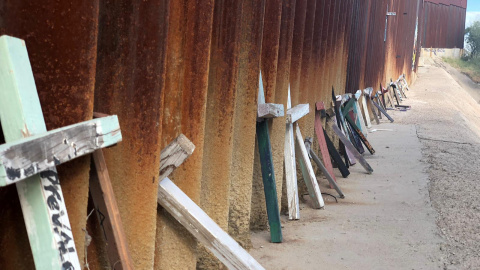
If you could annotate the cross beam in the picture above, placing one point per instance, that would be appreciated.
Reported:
(29, 156)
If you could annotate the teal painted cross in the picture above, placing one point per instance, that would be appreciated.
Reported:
(35, 176)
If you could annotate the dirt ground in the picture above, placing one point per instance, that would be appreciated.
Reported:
(420, 209)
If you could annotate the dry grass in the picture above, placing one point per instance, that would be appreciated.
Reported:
(470, 67)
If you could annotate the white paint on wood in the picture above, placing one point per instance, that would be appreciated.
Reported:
(297, 112)
(270, 110)
(307, 171)
(205, 230)
(291, 169)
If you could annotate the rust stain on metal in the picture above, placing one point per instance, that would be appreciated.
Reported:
(130, 83)
(222, 86)
(245, 121)
(189, 40)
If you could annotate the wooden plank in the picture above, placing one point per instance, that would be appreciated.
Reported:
(331, 181)
(360, 134)
(336, 156)
(270, 110)
(380, 109)
(291, 169)
(307, 171)
(360, 118)
(106, 204)
(321, 139)
(297, 112)
(349, 158)
(203, 228)
(269, 186)
(41, 197)
(29, 156)
(336, 105)
(357, 142)
(369, 100)
(366, 111)
(350, 146)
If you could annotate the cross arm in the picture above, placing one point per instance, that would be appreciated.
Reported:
(32, 155)
(297, 112)
(270, 110)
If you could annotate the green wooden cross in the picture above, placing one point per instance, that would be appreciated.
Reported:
(30, 162)
(268, 173)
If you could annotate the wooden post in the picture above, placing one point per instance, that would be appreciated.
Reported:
(105, 203)
(350, 146)
(291, 169)
(41, 197)
(366, 111)
(319, 106)
(333, 184)
(307, 171)
(268, 174)
(192, 217)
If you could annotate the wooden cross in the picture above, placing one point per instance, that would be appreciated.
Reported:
(293, 115)
(192, 217)
(324, 141)
(30, 162)
(268, 173)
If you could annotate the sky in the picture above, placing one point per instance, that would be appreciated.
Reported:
(473, 12)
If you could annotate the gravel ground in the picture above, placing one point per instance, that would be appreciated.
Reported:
(447, 121)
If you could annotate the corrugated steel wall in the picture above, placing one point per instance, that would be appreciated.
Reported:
(444, 24)
(170, 67)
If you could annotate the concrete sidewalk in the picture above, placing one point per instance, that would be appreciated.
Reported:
(385, 222)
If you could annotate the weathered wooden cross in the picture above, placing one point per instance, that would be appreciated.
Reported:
(293, 115)
(192, 217)
(30, 155)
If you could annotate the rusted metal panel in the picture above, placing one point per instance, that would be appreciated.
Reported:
(283, 68)
(189, 40)
(245, 121)
(297, 50)
(443, 24)
(222, 85)
(61, 41)
(130, 83)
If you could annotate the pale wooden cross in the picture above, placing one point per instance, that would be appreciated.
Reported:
(293, 115)
(192, 217)
(30, 155)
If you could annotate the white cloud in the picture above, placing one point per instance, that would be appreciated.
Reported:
(472, 17)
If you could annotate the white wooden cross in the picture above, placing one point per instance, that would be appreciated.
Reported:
(29, 157)
(293, 115)
(192, 217)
